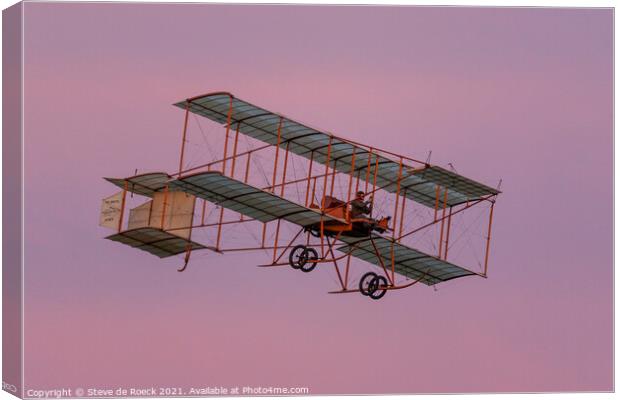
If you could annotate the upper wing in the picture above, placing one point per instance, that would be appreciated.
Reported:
(418, 185)
(246, 199)
(144, 184)
(408, 262)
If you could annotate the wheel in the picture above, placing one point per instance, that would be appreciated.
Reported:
(367, 278)
(311, 257)
(296, 257)
(377, 288)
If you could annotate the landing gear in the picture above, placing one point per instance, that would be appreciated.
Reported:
(311, 259)
(295, 257)
(378, 288)
(365, 282)
(303, 258)
(373, 285)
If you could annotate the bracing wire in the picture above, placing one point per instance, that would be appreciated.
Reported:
(204, 137)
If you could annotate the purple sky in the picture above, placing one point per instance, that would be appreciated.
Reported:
(519, 94)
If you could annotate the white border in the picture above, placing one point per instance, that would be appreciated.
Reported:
(478, 3)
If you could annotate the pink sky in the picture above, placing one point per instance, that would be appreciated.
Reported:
(519, 94)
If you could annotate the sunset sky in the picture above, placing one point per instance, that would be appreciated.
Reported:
(522, 95)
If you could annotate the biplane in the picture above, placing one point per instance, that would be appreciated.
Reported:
(301, 221)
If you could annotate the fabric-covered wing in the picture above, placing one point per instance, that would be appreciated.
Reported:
(246, 199)
(420, 186)
(145, 184)
(409, 262)
(454, 182)
(155, 241)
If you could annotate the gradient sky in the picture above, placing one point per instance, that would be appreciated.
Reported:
(524, 95)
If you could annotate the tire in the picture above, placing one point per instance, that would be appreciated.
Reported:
(365, 281)
(296, 258)
(311, 257)
(377, 293)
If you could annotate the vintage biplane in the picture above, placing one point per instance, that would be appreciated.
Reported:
(311, 212)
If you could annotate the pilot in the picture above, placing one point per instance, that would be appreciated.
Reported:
(359, 207)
